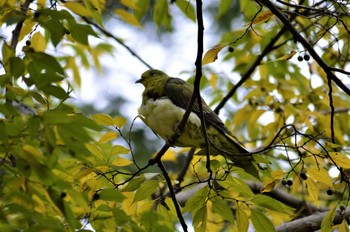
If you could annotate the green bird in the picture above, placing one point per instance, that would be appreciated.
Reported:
(164, 102)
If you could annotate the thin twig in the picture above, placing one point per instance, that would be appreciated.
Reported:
(107, 33)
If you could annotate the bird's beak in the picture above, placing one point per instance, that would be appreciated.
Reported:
(138, 81)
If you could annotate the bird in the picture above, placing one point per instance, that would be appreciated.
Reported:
(164, 102)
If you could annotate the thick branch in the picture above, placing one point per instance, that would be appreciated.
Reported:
(313, 222)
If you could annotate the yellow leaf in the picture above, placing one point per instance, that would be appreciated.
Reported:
(262, 17)
(103, 119)
(268, 185)
(108, 137)
(119, 121)
(320, 174)
(78, 8)
(73, 66)
(278, 174)
(340, 159)
(169, 155)
(344, 227)
(121, 162)
(132, 4)
(287, 56)
(212, 54)
(242, 219)
(38, 42)
(33, 152)
(127, 17)
(96, 150)
(312, 190)
(118, 149)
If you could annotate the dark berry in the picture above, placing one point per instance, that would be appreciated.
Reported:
(63, 194)
(289, 182)
(284, 182)
(300, 58)
(306, 57)
(96, 196)
(303, 176)
(231, 49)
(342, 207)
(67, 32)
(28, 43)
(329, 192)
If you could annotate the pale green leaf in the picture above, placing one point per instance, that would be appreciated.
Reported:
(327, 221)
(134, 184)
(103, 119)
(242, 219)
(261, 222)
(221, 207)
(146, 190)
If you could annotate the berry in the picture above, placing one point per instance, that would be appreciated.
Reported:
(67, 32)
(96, 196)
(303, 176)
(284, 182)
(28, 43)
(300, 58)
(329, 192)
(306, 57)
(231, 49)
(63, 194)
(289, 182)
(342, 207)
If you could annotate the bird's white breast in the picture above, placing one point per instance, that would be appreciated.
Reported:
(162, 116)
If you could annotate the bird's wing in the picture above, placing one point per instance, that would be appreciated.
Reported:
(180, 93)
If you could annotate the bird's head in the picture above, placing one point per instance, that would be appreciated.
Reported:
(151, 76)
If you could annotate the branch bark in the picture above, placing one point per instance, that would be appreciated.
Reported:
(312, 222)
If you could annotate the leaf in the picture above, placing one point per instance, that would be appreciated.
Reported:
(312, 190)
(33, 152)
(197, 200)
(263, 16)
(119, 149)
(320, 175)
(221, 207)
(146, 189)
(242, 219)
(119, 121)
(111, 135)
(134, 184)
(17, 66)
(199, 220)
(103, 119)
(224, 6)
(132, 4)
(121, 162)
(344, 227)
(270, 203)
(212, 54)
(96, 150)
(261, 222)
(284, 57)
(128, 17)
(81, 32)
(340, 159)
(187, 8)
(327, 221)
(161, 15)
(38, 42)
(78, 8)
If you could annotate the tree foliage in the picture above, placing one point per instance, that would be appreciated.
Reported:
(61, 169)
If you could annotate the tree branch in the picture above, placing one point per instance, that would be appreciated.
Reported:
(306, 44)
(312, 222)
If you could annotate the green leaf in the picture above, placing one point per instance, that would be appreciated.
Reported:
(224, 6)
(119, 149)
(270, 203)
(197, 200)
(55, 91)
(111, 194)
(161, 15)
(327, 221)
(242, 219)
(17, 66)
(187, 8)
(134, 184)
(146, 189)
(261, 222)
(199, 220)
(128, 17)
(103, 119)
(221, 207)
(81, 32)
